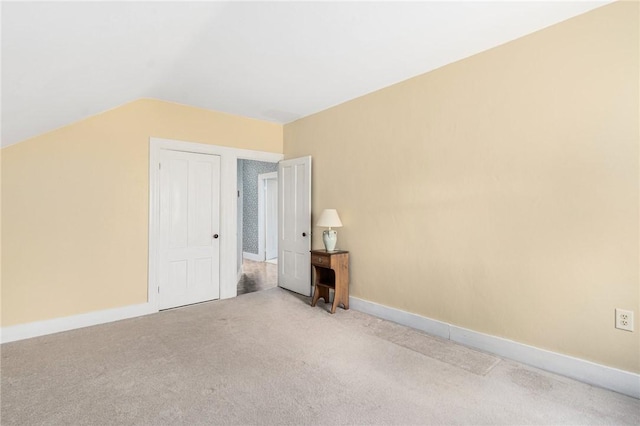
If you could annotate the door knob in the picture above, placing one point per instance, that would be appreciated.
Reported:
(304, 234)
(215, 235)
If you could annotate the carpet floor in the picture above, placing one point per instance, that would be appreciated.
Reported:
(269, 358)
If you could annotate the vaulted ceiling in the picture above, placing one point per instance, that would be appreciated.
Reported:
(276, 61)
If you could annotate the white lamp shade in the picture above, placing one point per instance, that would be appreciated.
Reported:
(329, 219)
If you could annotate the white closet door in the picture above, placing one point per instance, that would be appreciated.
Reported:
(189, 227)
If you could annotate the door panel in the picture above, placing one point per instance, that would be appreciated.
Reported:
(175, 199)
(200, 190)
(189, 217)
(294, 225)
(178, 278)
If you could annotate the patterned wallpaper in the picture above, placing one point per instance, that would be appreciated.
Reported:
(251, 170)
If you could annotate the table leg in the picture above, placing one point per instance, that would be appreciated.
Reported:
(316, 296)
(336, 300)
(320, 291)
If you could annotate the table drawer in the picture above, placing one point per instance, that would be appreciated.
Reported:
(320, 260)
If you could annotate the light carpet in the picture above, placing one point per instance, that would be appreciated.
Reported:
(270, 358)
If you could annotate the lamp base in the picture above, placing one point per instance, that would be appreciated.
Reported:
(330, 238)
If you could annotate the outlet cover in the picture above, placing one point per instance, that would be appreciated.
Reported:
(624, 319)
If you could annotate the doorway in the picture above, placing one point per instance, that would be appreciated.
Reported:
(257, 219)
(252, 186)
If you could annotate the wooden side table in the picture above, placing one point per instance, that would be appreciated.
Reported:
(332, 272)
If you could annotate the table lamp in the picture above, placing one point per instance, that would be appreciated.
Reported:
(329, 219)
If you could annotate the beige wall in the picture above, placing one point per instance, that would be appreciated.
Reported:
(0, 236)
(499, 193)
(75, 205)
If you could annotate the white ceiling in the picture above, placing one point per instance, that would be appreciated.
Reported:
(276, 61)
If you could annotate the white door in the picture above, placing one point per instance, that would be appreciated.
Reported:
(294, 225)
(271, 218)
(189, 225)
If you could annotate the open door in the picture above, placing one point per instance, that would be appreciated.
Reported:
(294, 225)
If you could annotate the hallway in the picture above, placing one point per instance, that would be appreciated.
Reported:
(257, 276)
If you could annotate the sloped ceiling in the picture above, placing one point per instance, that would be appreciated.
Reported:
(276, 61)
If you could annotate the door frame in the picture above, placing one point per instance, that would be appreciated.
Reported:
(262, 180)
(228, 208)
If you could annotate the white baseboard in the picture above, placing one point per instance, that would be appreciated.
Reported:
(13, 333)
(252, 256)
(428, 325)
(611, 378)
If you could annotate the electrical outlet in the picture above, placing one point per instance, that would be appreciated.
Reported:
(624, 319)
